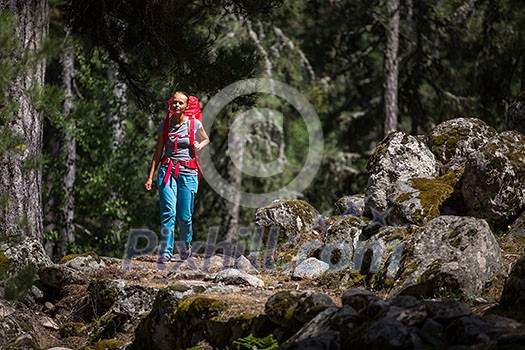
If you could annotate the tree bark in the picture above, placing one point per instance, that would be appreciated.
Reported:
(21, 173)
(69, 151)
(116, 120)
(233, 208)
(391, 67)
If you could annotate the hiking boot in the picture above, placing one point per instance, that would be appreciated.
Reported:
(184, 255)
(163, 259)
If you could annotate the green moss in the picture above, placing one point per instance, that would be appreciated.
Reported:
(179, 288)
(196, 309)
(433, 192)
(379, 151)
(106, 344)
(5, 264)
(72, 329)
(250, 342)
(69, 257)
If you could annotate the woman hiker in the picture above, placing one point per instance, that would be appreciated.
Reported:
(178, 174)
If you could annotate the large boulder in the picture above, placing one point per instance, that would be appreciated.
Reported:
(449, 256)
(493, 181)
(452, 141)
(17, 253)
(398, 157)
(287, 225)
(175, 323)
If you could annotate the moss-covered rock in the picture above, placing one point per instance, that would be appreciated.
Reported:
(350, 205)
(288, 224)
(398, 157)
(106, 344)
(450, 257)
(453, 141)
(418, 200)
(176, 323)
(493, 181)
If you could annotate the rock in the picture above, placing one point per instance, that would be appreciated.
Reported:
(16, 253)
(452, 141)
(280, 308)
(310, 304)
(518, 226)
(181, 324)
(57, 276)
(446, 310)
(450, 256)
(492, 185)
(344, 229)
(216, 263)
(85, 263)
(236, 277)
(350, 205)
(418, 200)
(384, 333)
(513, 295)
(291, 219)
(122, 297)
(468, 331)
(243, 264)
(358, 299)
(310, 268)
(398, 157)
(320, 327)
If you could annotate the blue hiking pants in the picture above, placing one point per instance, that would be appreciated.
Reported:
(176, 199)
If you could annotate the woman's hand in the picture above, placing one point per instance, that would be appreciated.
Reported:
(197, 145)
(148, 183)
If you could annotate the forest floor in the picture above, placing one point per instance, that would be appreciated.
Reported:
(248, 300)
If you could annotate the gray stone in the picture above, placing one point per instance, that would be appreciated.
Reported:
(450, 256)
(452, 141)
(236, 277)
(418, 200)
(358, 299)
(350, 205)
(310, 268)
(310, 304)
(492, 184)
(398, 157)
(319, 326)
(21, 252)
(385, 333)
(58, 276)
(290, 217)
(85, 263)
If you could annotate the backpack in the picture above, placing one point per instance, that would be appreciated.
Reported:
(192, 111)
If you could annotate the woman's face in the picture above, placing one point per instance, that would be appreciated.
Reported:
(179, 103)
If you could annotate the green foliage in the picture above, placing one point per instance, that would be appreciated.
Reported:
(453, 62)
(18, 284)
(251, 342)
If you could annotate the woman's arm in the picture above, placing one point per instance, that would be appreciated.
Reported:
(155, 161)
(202, 139)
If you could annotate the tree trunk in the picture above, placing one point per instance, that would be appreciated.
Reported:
(69, 151)
(233, 208)
(391, 67)
(116, 120)
(21, 173)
